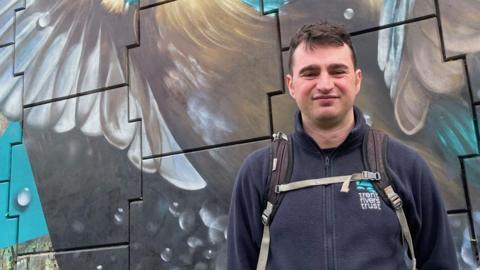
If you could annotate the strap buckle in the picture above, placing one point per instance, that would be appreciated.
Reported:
(395, 200)
(265, 218)
(371, 175)
(266, 214)
(280, 135)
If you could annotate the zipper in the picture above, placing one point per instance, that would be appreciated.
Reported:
(329, 216)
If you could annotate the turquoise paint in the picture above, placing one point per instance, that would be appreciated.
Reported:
(131, 2)
(13, 134)
(8, 227)
(16, 174)
(268, 5)
(32, 220)
(453, 128)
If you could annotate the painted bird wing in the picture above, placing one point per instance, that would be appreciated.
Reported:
(411, 57)
(69, 47)
(188, 60)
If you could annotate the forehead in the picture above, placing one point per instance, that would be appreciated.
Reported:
(321, 55)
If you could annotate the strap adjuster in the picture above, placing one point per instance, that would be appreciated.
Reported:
(280, 135)
(266, 214)
(396, 202)
(394, 199)
(371, 175)
(265, 219)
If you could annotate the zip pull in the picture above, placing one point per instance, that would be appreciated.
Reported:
(327, 164)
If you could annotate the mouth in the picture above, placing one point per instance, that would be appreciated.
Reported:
(325, 100)
(326, 97)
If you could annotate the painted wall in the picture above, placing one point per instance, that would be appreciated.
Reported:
(123, 123)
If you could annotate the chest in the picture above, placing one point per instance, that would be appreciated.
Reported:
(324, 211)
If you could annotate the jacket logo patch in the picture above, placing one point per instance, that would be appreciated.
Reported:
(369, 199)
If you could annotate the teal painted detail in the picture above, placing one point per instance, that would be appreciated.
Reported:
(8, 226)
(365, 185)
(131, 2)
(32, 221)
(13, 134)
(16, 174)
(454, 127)
(268, 5)
(453, 130)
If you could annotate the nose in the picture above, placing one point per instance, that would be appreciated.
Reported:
(325, 83)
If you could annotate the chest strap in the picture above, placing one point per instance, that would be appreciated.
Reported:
(345, 179)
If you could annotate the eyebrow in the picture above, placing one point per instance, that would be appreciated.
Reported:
(309, 68)
(315, 68)
(337, 66)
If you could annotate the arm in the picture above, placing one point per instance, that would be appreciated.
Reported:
(433, 240)
(245, 227)
(423, 207)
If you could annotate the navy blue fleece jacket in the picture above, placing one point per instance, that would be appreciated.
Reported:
(322, 228)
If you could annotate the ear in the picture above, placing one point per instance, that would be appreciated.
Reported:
(358, 80)
(289, 79)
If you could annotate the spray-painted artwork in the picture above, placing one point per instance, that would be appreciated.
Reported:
(123, 122)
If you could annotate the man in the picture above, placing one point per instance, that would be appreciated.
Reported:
(321, 227)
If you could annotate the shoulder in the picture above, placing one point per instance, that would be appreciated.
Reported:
(253, 173)
(401, 156)
(256, 161)
(409, 168)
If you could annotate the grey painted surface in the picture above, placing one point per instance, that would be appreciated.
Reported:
(85, 203)
(181, 229)
(355, 15)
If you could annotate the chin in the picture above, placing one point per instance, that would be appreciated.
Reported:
(325, 119)
(326, 116)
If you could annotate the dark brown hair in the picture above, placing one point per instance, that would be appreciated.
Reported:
(321, 33)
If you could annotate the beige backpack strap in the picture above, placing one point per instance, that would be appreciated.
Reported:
(402, 219)
(265, 245)
(375, 152)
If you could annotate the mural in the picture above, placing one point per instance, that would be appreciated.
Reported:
(123, 122)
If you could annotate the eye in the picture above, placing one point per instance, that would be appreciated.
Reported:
(338, 73)
(309, 74)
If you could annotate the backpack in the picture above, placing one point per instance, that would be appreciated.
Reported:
(375, 160)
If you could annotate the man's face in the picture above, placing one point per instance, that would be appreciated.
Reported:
(324, 84)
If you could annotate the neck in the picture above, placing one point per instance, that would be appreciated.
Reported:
(330, 136)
